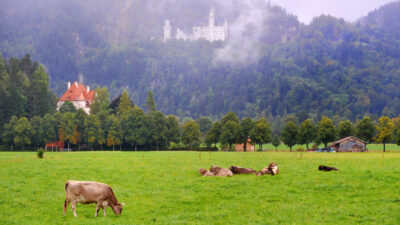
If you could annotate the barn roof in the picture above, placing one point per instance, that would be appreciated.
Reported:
(345, 139)
(77, 92)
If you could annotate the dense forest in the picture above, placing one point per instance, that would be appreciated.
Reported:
(271, 67)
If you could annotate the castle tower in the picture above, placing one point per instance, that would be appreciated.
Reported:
(211, 24)
(167, 30)
(211, 19)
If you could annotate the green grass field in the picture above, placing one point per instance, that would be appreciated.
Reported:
(165, 188)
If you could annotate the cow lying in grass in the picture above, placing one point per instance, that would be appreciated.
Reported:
(327, 168)
(240, 170)
(206, 173)
(271, 169)
(221, 172)
(87, 192)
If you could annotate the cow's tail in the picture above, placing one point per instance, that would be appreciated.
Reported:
(66, 193)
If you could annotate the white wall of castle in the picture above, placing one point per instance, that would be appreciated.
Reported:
(77, 104)
(209, 33)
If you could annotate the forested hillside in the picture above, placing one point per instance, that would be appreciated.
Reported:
(272, 65)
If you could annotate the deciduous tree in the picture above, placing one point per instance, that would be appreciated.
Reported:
(385, 129)
(289, 134)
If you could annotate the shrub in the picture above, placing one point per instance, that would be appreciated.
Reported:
(40, 153)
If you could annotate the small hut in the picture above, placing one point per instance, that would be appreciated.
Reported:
(249, 147)
(349, 144)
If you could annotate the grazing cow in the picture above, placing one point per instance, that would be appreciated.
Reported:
(240, 170)
(271, 169)
(327, 168)
(206, 173)
(221, 172)
(87, 192)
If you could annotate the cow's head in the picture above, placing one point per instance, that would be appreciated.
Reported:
(118, 208)
(202, 171)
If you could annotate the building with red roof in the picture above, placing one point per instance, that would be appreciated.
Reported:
(81, 96)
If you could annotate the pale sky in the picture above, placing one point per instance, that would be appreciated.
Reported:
(350, 10)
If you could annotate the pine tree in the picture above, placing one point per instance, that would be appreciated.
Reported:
(150, 103)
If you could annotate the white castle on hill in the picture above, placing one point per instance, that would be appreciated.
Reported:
(210, 32)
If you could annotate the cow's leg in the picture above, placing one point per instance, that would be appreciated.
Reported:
(104, 210)
(65, 205)
(98, 208)
(73, 206)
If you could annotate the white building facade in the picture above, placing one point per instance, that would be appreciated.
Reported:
(209, 33)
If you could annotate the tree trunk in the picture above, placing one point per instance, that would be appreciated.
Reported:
(244, 146)
(307, 146)
(113, 147)
(260, 147)
(384, 146)
(68, 146)
(157, 145)
(290, 148)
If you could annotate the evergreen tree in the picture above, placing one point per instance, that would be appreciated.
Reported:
(307, 132)
(150, 103)
(38, 93)
(289, 134)
(125, 104)
(191, 134)
(261, 133)
(80, 129)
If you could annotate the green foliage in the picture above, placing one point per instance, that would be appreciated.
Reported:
(174, 129)
(101, 101)
(205, 124)
(345, 129)
(135, 126)
(40, 153)
(93, 129)
(365, 129)
(276, 142)
(385, 129)
(125, 104)
(261, 133)
(191, 134)
(67, 106)
(307, 132)
(326, 131)
(9, 131)
(150, 103)
(246, 126)
(289, 134)
(158, 129)
(213, 135)
(22, 132)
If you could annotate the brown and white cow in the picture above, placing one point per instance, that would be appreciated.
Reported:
(221, 172)
(87, 192)
(271, 169)
(241, 170)
(206, 173)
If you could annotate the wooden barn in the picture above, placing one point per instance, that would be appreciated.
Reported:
(249, 147)
(349, 144)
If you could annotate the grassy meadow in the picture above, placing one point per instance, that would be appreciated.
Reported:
(165, 188)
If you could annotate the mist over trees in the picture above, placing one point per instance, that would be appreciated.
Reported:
(328, 68)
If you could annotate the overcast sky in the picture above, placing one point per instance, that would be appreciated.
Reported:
(350, 10)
